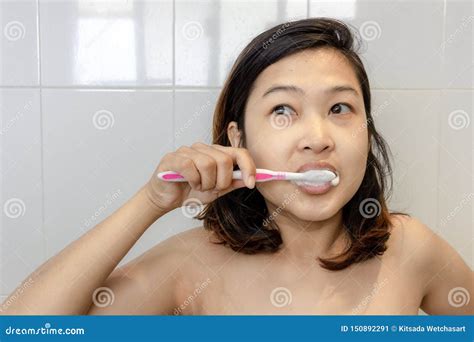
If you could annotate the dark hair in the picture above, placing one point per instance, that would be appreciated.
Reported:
(240, 218)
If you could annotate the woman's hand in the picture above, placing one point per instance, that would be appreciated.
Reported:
(207, 170)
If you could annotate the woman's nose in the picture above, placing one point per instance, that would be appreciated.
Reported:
(315, 135)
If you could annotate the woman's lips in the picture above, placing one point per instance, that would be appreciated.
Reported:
(316, 165)
(317, 189)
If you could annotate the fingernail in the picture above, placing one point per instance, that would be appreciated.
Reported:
(251, 181)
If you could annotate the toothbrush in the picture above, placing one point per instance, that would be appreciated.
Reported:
(264, 175)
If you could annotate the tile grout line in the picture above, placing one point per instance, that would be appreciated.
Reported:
(40, 80)
(440, 122)
(192, 88)
(173, 72)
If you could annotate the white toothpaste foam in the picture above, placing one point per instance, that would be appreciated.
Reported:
(334, 182)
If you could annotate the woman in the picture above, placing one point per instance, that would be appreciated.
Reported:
(297, 98)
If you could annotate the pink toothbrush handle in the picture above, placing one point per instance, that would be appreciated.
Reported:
(262, 175)
(171, 176)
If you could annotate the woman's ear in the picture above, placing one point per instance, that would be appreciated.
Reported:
(234, 134)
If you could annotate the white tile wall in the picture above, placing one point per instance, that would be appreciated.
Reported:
(403, 119)
(193, 113)
(402, 39)
(456, 178)
(458, 45)
(210, 34)
(19, 43)
(22, 238)
(92, 94)
(99, 43)
(98, 145)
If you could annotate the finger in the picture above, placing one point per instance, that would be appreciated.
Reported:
(225, 165)
(243, 159)
(184, 166)
(205, 164)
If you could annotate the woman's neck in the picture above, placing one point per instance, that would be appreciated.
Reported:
(304, 241)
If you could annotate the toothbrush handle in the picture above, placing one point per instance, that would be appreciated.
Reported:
(262, 175)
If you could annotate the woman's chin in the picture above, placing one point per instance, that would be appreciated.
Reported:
(313, 213)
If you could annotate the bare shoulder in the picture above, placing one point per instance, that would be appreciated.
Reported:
(178, 248)
(193, 254)
(410, 233)
(204, 249)
(200, 242)
(433, 264)
(412, 242)
(151, 283)
(155, 281)
(417, 244)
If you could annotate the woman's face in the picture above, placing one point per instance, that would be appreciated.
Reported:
(307, 122)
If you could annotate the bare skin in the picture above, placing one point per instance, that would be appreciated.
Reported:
(164, 279)
(189, 274)
(205, 278)
(407, 277)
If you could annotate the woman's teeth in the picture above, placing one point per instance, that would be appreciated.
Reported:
(308, 183)
(333, 182)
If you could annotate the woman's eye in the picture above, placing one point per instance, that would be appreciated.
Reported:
(338, 108)
(283, 110)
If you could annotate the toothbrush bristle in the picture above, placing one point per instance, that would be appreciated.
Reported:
(319, 175)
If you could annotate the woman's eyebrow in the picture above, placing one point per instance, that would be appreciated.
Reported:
(293, 88)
